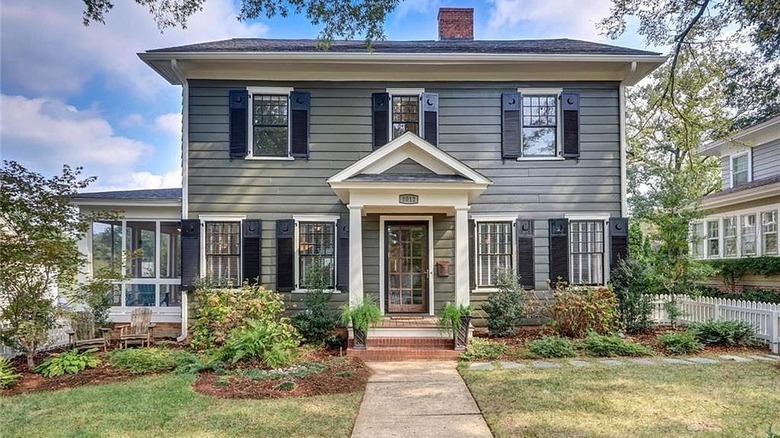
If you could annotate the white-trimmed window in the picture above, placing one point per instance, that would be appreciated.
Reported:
(713, 238)
(269, 122)
(748, 234)
(494, 252)
(730, 236)
(741, 169)
(405, 114)
(586, 243)
(541, 122)
(697, 239)
(315, 244)
(223, 252)
(769, 232)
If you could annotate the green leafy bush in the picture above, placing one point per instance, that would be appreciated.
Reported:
(630, 280)
(272, 342)
(760, 295)
(483, 349)
(299, 371)
(316, 322)
(287, 385)
(724, 332)
(680, 343)
(552, 346)
(8, 376)
(152, 360)
(504, 308)
(451, 314)
(613, 345)
(578, 310)
(218, 311)
(362, 315)
(70, 362)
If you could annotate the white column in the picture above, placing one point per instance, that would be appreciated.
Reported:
(462, 256)
(355, 254)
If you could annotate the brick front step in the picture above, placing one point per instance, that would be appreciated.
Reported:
(386, 354)
(441, 343)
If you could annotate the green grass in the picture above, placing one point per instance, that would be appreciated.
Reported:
(726, 400)
(165, 405)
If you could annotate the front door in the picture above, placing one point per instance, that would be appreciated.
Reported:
(407, 267)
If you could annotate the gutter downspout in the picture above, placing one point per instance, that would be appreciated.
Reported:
(185, 123)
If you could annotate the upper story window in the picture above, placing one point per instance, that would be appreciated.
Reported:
(494, 251)
(270, 133)
(405, 115)
(540, 124)
(223, 252)
(586, 240)
(316, 252)
(713, 238)
(740, 169)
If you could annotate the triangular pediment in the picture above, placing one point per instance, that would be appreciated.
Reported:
(408, 167)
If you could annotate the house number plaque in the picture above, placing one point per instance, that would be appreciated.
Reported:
(408, 199)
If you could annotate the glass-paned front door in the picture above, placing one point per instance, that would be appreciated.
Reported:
(407, 267)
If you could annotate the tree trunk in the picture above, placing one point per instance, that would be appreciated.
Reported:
(30, 361)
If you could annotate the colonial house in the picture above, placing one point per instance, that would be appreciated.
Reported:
(415, 171)
(741, 219)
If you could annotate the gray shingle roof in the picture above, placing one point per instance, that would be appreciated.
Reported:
(157, 194)
(542, 47)
(751, 185)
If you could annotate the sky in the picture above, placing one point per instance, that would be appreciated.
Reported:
(79, 95)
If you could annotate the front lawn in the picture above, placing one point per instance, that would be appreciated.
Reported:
(165, 405)
(723, 400)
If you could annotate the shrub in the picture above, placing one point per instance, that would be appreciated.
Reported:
(70, 362)
(152, 359)
(451, 314)
(760, 295)
(552, 346)
(287, 385)
(504, 308)
(219, 311)
(630, 280)
(272, 342)
(680, 343)
(315, 323)
(613, 345)
(579, 310)
(483, 349)
(724, 332)
(361, 315)
(8, 376)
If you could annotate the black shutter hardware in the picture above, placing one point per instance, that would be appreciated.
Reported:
(238, 108)
(300, 104)
(380, 104)
(251, 233)
(525, 252)
(285, 255)
(430, 109)
(570, 105)
(510, 125)
(559, 250)
(190, 253)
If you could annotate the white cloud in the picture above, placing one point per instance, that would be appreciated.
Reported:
(148, 180)
(47, 51)
(169, 123)
(547, 19)
(133, 121)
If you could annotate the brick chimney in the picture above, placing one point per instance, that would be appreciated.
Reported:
(456, 24)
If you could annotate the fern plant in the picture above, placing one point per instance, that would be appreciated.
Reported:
(70, 362)
(8, 376)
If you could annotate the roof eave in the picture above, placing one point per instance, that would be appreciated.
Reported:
(752, 136)
(754, 194)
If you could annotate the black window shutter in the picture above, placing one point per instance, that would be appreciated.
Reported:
(190, 253)
(380, 119)
(472, 254)
(618, 240)
(570, 104)
(510, 125)
(525, 252)
(300, 103)
(342, 255)
(285, 255)
(559, 250)
(430, 108)
(250, 250)
(239, 123)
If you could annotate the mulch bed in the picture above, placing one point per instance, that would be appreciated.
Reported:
(33, 382)
(345, 375)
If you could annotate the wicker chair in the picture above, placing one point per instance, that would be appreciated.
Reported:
(83, 334)
(139, 331)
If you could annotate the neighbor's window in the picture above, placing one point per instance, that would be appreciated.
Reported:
(540, 125)
(730, 236)
(713, 238)
(405, 115)
(494, 251)
(223, 252)
(697, 239)
(269, 125)
(140, 249)
(587, 252)
(316, 244)
(748, 234)
(769, 232)
(740, 169)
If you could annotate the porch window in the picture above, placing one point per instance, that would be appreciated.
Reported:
(494, 251)
(587, 252)
(730, 236)
(405, 115)
(140, 249)
(270, 136)
(223, 252)
(540, 125)
(769, 232)
(170, 250)
(748, 234)
(697, 240)
(316, 245)
(713, 238)
(107, 246)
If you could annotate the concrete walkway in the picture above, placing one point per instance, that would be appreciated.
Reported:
(418, 399)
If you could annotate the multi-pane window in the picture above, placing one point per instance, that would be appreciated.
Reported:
(405, 115)
(730, 236)
(494, 251)
(223, 252)
(769, 232)
(697, 239)
(170, 250)
(713, 238)
(107, 246)
(269, 125)
(748, 234)
(316, 253)
(140, 249)
(740, 172)
(540, 125)
(587, 252)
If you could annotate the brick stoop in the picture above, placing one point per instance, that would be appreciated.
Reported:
(384, 349)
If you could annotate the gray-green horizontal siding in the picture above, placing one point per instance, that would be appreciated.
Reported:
(765, 161)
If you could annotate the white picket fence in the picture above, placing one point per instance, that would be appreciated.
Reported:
(58, 337)
(765, 317)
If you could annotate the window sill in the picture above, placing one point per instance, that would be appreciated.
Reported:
(541, 159)
(269, 158)
(305, 291)
(484, 290)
